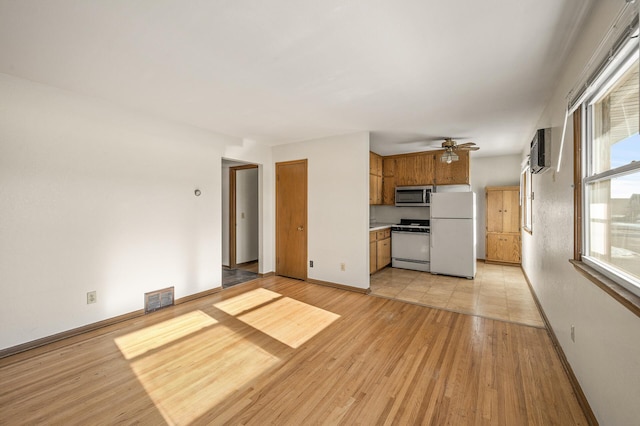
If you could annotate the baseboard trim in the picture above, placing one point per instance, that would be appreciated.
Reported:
(339, 286)
(266, 274)
(14, 350)
(194, 296)
(67, 334)
(575, 384)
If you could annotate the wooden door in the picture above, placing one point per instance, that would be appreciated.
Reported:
(291, 219)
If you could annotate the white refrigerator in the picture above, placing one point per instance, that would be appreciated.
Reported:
(453, 234)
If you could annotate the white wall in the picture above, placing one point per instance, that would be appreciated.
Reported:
(338, 206)
(490, 171)
(246, 215)
(606, 354)
(95, 197)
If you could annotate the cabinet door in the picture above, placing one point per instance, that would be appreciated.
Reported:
(456, 173)
(388, 167)
(373, 256)
(379, 165)
(494, 211)
(503, 248)
(378, 195)
(424, 169)
(383, 253)
(493, 247)
(510, 248)
(510, 211)
(405, 171)
(373, 164)
(389, 190)
(373, 188)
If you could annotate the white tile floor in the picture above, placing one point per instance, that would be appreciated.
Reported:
(498, 292)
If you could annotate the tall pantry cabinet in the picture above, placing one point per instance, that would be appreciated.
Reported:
(503, 243)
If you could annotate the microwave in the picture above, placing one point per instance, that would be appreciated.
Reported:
(409, 196)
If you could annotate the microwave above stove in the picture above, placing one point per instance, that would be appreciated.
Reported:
(410, 196)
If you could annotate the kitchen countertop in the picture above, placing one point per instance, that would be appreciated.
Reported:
(379, 226)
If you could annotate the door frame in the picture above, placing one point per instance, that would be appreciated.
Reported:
(306, 211)
(232, 211)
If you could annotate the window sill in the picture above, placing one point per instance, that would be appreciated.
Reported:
(615, 290)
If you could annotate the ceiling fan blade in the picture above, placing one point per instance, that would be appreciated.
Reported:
(466, 144)
(470, 148)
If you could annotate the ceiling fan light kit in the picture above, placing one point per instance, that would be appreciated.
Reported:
(449, 157)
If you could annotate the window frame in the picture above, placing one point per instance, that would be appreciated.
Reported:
(584, 155)
(526, 198)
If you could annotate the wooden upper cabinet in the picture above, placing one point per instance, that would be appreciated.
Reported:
(503, 209)
(388, 167)
(389, 181)
(375, 178)
(456, 173)
(511, 210)
(425, 169)
(421, 168)
(414, 169)
(375, 164)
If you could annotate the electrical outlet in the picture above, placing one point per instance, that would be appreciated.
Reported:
(573, 333)
(311, 264)
(343, 267)
(92, 297)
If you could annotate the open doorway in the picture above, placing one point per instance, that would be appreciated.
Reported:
(240, 219)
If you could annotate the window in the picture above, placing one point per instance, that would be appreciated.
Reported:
(611, 173)
(526, 198)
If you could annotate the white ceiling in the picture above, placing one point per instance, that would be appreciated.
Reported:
(279, 71)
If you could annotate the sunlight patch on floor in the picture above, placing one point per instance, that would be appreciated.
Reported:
(287, 320)
(187, 379)
(156, 336)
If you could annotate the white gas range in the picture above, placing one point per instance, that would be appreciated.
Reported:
(411, 244)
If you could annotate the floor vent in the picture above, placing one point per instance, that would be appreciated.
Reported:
(158, 299)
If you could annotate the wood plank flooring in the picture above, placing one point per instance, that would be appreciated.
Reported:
(282, 351)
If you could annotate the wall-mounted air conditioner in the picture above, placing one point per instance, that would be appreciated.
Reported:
(541, 151)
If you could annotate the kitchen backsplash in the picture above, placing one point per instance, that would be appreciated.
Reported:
(392, 214)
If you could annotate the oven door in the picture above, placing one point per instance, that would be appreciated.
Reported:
(410, 246)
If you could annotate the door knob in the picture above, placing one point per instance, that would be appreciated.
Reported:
(300, 228)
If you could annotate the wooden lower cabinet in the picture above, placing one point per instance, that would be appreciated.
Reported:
(503, 248)
(373, 253)
(379, 249)
(383, 254)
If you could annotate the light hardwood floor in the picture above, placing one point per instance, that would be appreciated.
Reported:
(282, 351)
(498, 292)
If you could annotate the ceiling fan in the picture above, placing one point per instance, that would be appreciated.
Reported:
(450, 147)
